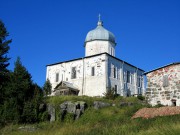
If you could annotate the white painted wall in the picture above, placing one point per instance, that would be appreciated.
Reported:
(121, 77)
(97, 47)
(96, 85)
(88, 85)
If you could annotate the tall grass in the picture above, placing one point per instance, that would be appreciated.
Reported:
(114, 120)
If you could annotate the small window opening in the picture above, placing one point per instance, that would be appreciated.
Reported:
(173, 102)
(92, 71)
(57, 77)
(73, 73)
(128, 77)
(114, 72)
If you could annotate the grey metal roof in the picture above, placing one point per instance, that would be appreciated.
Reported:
(100, 33)
(68, 84)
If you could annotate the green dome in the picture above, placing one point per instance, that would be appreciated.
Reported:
(100, 33)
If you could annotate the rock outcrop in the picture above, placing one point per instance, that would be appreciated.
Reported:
(100, 104)
(76, 108)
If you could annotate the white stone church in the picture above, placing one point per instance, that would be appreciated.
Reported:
(98, 71)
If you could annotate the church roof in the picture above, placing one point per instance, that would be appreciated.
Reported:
(100, 33)
(95, 56)
(66, 84)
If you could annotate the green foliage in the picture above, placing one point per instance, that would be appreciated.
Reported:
(43, 116)
(29, 113)
(47, 87)
(4, 72)
(110, 94)
(106, 121)
(158, 105)
(22, 97)
(69, 118)
(19, 96)
(140, 97)
(4, 48)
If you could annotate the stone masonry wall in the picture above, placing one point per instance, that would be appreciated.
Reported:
(156, 93)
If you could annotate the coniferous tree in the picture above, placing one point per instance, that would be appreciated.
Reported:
(47, 87)
(4, 48)
(31, 107)
(17, 93)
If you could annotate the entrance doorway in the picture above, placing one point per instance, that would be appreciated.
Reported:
(173, 102)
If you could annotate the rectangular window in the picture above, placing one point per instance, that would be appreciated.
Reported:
(73, 72)
(92, 71)
(57, 77)
(165, 81)
(132, 78)
(128, 77)
(139, 81)
(114, 72)
(116, 88)
(124, 77)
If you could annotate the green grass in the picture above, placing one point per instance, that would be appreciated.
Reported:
(106, 121)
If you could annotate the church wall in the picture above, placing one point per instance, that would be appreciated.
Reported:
(124, 88)
(89, 85)
(95, 85)
(164, 86)
(97, 47)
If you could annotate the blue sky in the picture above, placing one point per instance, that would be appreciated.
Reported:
(47, 31)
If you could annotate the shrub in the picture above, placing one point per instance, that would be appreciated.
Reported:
(110, 94)
(140, 97)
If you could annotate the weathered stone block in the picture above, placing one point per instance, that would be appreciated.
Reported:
(51, 112)
(71, 108)
(167, 92)
(77, 114)
(99, 104)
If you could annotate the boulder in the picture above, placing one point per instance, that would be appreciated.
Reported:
(100, 104)
(76, 108)
(82, 105)
(71, 108)
(51, 112)
(77, 114)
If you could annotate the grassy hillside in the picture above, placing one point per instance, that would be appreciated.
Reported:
(114, 120)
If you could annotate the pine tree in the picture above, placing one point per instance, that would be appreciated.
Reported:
(47, 87)
(17, 93)
(31, 107)
(4, 48)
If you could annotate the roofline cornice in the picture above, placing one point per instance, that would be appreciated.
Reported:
(94, 56)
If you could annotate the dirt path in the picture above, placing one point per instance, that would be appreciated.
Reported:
(154, 112)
